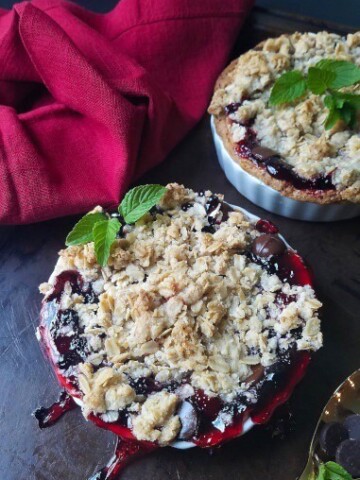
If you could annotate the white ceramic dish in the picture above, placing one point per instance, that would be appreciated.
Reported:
(249, 424)
(271, 200)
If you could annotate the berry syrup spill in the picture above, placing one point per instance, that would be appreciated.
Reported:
(282, 423)
(206, 421)
(49, 416)
(125, 452)
(273, 163)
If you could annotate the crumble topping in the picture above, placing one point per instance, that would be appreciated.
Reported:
(295, 131)
(179, 302)
(158, 411)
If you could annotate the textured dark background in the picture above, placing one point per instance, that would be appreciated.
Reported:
(346, 11)
(74, 449)
(96, 5)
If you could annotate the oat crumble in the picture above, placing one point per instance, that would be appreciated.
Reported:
(175, 302)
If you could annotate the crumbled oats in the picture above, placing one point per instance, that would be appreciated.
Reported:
(157, 421)
(45, 288)
(179, 303)
(118, 397)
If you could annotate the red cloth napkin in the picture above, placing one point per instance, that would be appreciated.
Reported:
(89, 102)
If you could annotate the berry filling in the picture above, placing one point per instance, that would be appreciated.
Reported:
(265, 226)
(232, 107)
(274, 164)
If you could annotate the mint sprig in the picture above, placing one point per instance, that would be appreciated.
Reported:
(83, 230)
(326, 77)
(332, 471)
(346, 73)
(318, 80)
(139, 201)
(104, 233)
(101, 229)
(289, 87)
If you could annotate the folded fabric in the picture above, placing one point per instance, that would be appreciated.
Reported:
(89, 102)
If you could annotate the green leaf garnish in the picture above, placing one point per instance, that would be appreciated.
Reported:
(342, 106)
(104, 235)
(288, 87)
(332, 118)
(329, 102)
(139, 201)
(332, 471)
(326, 77)
(348, 114)
(334, 114)
(350, 98)
(319, 80)
(346, 73)
(99, 228)
(322, 472)
(83, 230)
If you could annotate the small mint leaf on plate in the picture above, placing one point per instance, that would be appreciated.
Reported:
(346, 73)
(319, 80)
(321, 473)
(82, 231)
(288, 87)
(334, 471)
(139, 201)
(104, 233)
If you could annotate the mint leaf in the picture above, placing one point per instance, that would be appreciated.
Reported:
(288, 87)
(348, 114)
(341, 106)
(346, 73)
(329, 102)
(333, 115)
(82, 231)
(139, 201)
(322, 473)
(319, 80)
(350, 98)
(332, 118)
(334, 471)
(104, 233)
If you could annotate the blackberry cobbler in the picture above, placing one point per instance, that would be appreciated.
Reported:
(202, 319)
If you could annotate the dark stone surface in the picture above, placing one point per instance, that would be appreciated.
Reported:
(74, 449)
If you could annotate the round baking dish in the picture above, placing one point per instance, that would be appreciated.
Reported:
(270, 199)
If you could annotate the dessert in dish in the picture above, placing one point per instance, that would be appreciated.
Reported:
(291, 147)
(202, 319)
